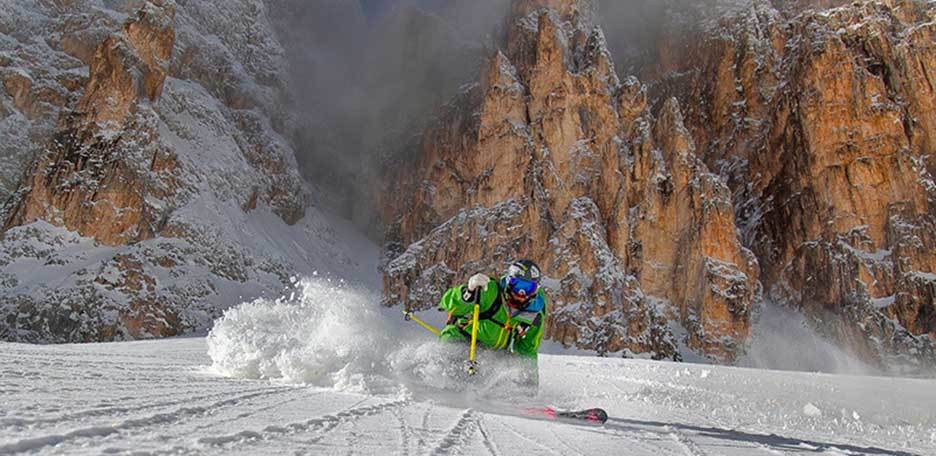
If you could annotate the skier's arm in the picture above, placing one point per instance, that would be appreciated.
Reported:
(529, 346)
(453, 301)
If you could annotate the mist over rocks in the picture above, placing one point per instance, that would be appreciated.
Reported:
(367, 79)
(152, 151)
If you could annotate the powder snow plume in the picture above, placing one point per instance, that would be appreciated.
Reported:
(331, 334)
(326, 334)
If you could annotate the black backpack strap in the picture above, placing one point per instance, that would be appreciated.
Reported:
(492, 311)
(486, 315)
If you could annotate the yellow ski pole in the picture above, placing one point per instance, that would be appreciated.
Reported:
(472, 365)
(408, 316)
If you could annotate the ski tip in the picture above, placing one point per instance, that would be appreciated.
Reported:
(598, 415)
(594, 415)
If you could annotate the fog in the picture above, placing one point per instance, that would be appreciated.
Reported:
(782, 339)
(632, 29)
(368, 76)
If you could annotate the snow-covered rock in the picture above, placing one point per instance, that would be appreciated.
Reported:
(168, 190)
(821, 115)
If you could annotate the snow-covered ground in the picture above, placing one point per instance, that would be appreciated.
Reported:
(324, 373)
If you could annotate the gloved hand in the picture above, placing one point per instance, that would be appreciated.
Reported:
(476, 284)
(478, 281)
(522, 330)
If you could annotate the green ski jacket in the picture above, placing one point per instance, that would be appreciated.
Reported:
(499, 326)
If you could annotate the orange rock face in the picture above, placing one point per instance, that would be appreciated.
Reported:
(823, 123)
(90, 179)
(149, 198)
(552, 157)
(83, 182)
(130, 66)
(816, 119)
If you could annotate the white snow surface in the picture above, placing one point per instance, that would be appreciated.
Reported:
(325, 371)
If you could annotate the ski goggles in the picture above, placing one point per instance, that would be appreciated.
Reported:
(521, 288)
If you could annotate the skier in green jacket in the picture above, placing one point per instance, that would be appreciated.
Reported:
(512, 310)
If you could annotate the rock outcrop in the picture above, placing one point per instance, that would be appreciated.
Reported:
(165, 189)
(551, 156)
(86, 181)
(823, 122)
(35, 84)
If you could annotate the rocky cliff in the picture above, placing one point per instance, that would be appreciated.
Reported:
(160, 185)
(81, 181)
(822, 120)
(783, 146)
(551, 156)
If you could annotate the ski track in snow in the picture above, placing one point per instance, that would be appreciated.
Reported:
(691, 449)
(158, 397)
(488, 444)
(532, 443)
(458, 433)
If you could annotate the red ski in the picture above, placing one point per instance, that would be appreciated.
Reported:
(591, 416)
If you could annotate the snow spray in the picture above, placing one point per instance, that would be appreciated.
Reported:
(333, 335)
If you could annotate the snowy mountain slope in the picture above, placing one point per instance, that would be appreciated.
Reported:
(158, 397)
(200, 206)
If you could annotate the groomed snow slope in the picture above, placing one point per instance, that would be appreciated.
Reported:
(156, 397)
(325, 371)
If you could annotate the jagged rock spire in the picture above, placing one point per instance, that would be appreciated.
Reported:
(559, 161)
(576, 11)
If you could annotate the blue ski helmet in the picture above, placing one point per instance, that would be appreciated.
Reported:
(521, 281)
